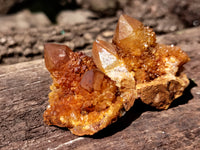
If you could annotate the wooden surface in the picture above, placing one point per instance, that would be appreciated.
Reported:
(24, 89)
(25, 45)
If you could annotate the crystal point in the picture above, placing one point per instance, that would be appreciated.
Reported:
(131, 36)
(55, 55)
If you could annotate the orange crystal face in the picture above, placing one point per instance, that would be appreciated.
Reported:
(137, 46)
(83, 99)
(132, 37)
(55, 56)
(107, 60)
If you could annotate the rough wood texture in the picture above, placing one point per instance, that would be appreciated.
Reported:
(19, 45)
(23, 97)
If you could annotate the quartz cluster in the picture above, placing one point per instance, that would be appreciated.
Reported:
(89, 93)
(83, 98)
(136, 61)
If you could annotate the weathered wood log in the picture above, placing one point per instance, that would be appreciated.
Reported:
(24, 89)
(19, 45)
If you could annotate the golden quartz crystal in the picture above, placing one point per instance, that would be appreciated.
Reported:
(155, 68)
(88, 94)
(83, 98)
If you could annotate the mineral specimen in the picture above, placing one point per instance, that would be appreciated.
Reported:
(152, 70)
(83, 98)
(88, 94)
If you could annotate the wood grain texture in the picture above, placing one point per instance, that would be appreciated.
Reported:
(24, 89)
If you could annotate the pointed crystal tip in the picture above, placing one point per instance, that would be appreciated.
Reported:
(131, 36)
(55, 55)
(126, 26)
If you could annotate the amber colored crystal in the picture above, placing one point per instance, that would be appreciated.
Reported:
(132, 37)
(82, 99)
(138, 48)
(108, 61)
(88, 94)
(55, 56)
(144, 65)
(104, 50)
